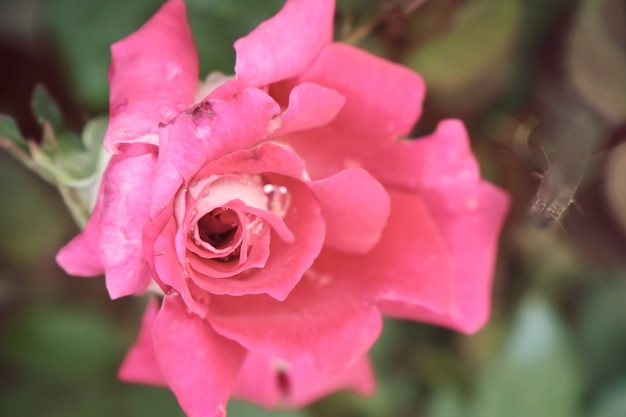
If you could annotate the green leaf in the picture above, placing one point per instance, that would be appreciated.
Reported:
(94, 131)
(446, 403)
(148, 401)
(535, 374)
(46, 109)
(242, 409)
(10, 132)
(472, 58)
(30, 220)
(612, 402)
(603, 330)
(62, 342)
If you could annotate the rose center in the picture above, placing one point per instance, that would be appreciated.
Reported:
(219, 227)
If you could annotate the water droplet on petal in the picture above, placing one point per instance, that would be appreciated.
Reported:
(278, 198)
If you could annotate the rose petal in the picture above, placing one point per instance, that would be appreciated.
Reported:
(81, 256)
(468, 211)
(323, 320)
(164, 261)
(265, 158)
(166, 181)
(443, 172)
(205, 272)
(218, 127)
(355, 207)
(279, 276)
(141, 365)
(471, 235)
(371, 118)
(207, 269)
(153, 76)
(441, 163)
(126, 189)
(112, 240)
(199, 365)
(269, 382)
(310, 106)
(410, 265)
(266, 55)
(388, 106)
(227, 89)
(290, 259)
(430, 266)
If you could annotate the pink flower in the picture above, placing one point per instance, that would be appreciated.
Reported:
(281, 215)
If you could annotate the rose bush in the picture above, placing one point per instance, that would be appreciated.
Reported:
(279, 213)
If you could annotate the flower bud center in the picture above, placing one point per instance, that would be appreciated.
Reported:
(219, 227)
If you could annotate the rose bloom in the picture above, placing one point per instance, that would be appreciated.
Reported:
(279, 213)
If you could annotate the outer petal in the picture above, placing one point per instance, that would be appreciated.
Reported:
(271, 382)
(124, 214)
(383, 101)
(199, 365)
(355, 207)
(441, 170)
(112, 240)
(153, 76)
(468, 211)
(472, 238)
(160, 251)
(439, 164)
(285, 45)
(323, 320)
(141, 365)
(310, 106)
(81, 256)
(410, 265)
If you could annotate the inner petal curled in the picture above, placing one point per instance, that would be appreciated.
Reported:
(230, 220)
(220, 228)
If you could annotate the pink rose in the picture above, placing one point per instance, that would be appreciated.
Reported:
(280, 213)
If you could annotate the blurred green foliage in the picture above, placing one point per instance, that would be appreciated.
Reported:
(556, 343)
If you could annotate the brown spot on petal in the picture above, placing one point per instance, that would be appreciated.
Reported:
(206, 105)
(284, 385)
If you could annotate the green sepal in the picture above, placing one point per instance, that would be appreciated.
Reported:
(46, 108)
(73, 163)
(10, 133)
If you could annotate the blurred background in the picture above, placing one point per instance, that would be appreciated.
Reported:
(541, 85)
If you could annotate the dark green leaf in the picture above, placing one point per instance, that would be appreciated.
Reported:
(11, 132)
(603, 329)
(63, 343)
(446, 403)
(612, 402)
(30, 215)
(46, 109)
(535, 374)
(470, 60)
(241, 409)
